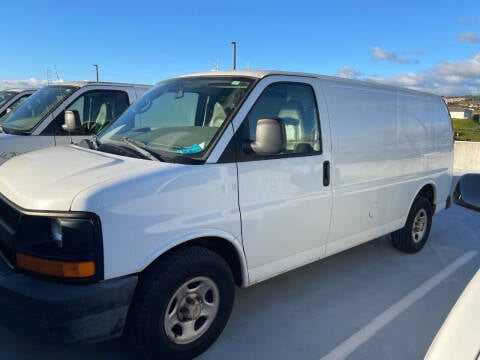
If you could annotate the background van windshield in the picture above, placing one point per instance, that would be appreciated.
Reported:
(181, 116)
(31, 112)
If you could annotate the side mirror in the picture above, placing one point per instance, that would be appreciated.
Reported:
(71, 121)
(270, 137)
(467, 192)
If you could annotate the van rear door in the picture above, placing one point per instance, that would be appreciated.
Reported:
(285, 200)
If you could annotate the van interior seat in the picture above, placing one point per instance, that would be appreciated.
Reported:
(104, 115)
(221, 110)
(291, 113)
(218, 116)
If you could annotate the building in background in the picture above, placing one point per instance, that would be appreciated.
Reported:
(457, 112)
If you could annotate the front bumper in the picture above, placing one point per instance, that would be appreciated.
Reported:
(64, 313)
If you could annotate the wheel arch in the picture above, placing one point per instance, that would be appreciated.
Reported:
(429, 191)
(230, 250)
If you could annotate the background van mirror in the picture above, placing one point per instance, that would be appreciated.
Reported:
(467, 192)
(71, 121)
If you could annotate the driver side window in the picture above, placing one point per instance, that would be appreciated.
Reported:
(94, 111)
(295, 107)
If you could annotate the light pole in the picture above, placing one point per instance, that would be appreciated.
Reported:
(96, 69)
(234, 43)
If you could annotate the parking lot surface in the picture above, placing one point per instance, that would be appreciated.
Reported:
(370, 302)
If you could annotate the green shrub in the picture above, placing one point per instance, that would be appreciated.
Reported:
(466, 129)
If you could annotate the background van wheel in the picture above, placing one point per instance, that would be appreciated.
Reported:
(181, 304)
(413, 236)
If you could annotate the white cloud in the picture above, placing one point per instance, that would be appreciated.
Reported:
(381, 54)
(446, 78)
(469, 37)
(25, 83)
(348, 72)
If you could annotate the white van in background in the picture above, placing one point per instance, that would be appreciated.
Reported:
(207, 181)
(12, 98)
(38, 121)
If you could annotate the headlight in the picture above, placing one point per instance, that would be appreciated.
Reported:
(66, 246)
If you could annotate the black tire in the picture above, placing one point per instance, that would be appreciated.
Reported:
(413, 236)
(168, 304)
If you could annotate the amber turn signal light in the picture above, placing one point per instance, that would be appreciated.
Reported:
(64, 269)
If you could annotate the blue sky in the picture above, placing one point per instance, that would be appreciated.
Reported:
(427, 45)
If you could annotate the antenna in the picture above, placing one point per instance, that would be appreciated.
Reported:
(56, 72)
(48, 76)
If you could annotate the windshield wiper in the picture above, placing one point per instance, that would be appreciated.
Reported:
(14, 131)
(141, 149)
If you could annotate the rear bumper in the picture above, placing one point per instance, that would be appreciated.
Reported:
(64, 313)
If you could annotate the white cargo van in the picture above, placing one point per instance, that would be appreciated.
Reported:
(38, 121)
(207, 181)
(12, 98)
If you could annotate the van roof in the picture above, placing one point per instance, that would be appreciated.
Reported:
(85, 83)
(18, 90)
(264, 73)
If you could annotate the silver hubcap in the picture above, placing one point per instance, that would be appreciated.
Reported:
(419, 226)
(191, 310)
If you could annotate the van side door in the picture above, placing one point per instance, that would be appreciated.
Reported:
(285, 200)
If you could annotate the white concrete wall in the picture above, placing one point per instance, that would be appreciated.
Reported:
(457, 114)
(466, 114)
(466, 156)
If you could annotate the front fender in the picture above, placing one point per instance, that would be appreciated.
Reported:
(192, 236)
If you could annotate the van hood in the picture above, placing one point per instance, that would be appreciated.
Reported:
(49, 179)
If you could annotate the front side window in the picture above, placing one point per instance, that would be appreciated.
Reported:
(29, 114)
(294, 106)
(19, 101)
(5, 96)
(13, 106)
(180, 116)
(94, 110)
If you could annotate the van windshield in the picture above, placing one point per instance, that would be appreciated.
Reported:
(180, 116)
(29, 114)
(5, 96)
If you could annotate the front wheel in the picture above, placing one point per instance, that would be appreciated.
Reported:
(182, 304)
(413, 236)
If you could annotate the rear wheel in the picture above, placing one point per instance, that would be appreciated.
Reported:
(181, 304)
(413, 236)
